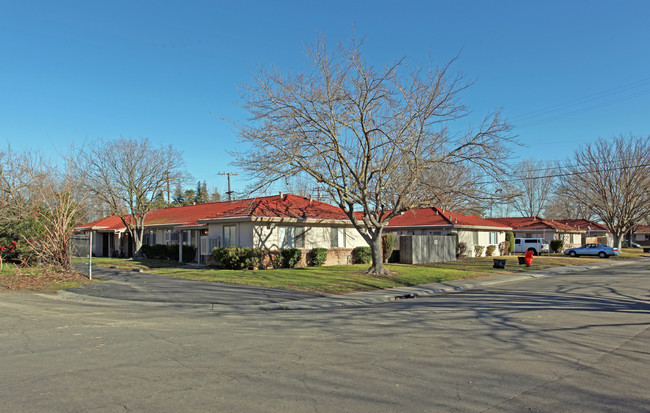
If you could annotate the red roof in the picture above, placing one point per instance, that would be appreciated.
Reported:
(533, 223)
(109, 223)
(583, 224)
(642, 229)
(289, 206)
(434, 216)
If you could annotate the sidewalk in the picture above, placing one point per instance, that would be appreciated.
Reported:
(162, 290)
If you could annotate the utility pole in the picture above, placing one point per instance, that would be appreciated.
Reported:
(168, 195)
(229, 191)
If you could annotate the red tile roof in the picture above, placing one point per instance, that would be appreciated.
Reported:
(289, 206)
(109, 223)
(533, 223)
(434, 216)
(583, 224)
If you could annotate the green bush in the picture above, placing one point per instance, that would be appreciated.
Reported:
(478, 250)
(489, 251)
(159, 251)
(291, 257)
(235, 258)
(557, 245)
(318, 256)
(362, 255)
(510, 237)
(387, 245)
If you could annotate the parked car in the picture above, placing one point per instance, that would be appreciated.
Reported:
(603, 251)
(535, 245)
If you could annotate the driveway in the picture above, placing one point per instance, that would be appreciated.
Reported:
(137, 286)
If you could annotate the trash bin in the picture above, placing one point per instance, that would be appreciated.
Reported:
(499, 263)
(522, 260)
(646, 249)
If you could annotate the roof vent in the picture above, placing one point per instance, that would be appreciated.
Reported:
(281, 195)
(456, 221)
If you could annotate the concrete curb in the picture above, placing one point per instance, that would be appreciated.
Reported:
(365, 298)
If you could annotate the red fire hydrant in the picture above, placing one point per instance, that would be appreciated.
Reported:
(528, 258)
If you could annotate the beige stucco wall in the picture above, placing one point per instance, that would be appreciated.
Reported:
(267, 236)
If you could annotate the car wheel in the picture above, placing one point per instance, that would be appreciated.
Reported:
(602, 254)
(533, 250)
(573, 254)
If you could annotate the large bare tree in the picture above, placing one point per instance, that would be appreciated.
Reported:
(365, 134)
(128, 174)
(612, 178)
(533, 185)
(41, 201)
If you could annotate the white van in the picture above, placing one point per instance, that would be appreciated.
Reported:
(536, 245)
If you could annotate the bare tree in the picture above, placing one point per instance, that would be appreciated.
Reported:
(533, 185)
(42, 201)
(612, 178)
(456, 187)
(366, 135)
(128, 174)
(563, 206)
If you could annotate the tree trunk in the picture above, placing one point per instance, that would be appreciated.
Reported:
(377, 267)
(618, 238)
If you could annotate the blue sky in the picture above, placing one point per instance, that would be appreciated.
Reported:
(564, 72)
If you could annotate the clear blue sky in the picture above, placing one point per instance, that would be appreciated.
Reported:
(564, 72)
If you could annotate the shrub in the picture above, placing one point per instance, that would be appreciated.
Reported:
(510, 237)
(291, 257)
(489, 251)
(478, 250)
(270, 259)
(462, 250)
(318, 256)
(159, 252)
(361, 255)
(235, 258)
(146, 250)
(504, 248)
(387, 244)
(557, 245)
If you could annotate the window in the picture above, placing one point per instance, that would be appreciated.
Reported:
(475, 238)
(337, 237)
(291, 237)
(171, 237)
(229, 236)
(494, 237)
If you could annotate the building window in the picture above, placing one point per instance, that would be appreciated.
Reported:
(337, 237)
(494, 237)
(291, 237)
(229, 235)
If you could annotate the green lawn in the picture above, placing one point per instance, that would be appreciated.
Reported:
(350, 278)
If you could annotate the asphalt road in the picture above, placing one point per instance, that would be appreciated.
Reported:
(575, 342)
(137, 286)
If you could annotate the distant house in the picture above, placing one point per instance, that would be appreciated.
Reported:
(536, 227)
(273, 222)
(593, 231)
(642, 235)
(471, 230)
